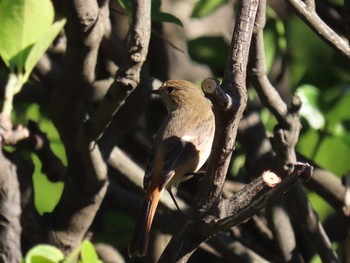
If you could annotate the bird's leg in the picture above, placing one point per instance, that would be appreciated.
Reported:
(195, 174)
(186, 177)
(174, 200)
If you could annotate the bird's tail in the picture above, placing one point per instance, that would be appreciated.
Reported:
(139, 242)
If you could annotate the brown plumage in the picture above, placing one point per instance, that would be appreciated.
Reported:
(182, 146)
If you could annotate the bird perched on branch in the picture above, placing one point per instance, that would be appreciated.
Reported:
(183, 144)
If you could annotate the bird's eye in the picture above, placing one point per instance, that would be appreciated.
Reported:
(170, 90)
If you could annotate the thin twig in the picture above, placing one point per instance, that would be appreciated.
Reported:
(320, 28)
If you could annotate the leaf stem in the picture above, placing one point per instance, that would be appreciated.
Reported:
(13, 85)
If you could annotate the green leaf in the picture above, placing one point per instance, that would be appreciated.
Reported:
(310, 96)
(23, 22)
(43, 188)
(333, 146)
(156, 4)
(338, 114)
(321, 206)
(127, 6)
(341, 131)
(166, 17)
(41, 46)
(44, 254)
(340, 110)
(302, 65)
(88, 253)
(205, 7)
(212, 51)
(268, 119)
(307, 142)
(73, 256)
(270, 47)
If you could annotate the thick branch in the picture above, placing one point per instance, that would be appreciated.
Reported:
(234, 84)
(86, 182)
(10, 210)
(257, 195)
(190, 237)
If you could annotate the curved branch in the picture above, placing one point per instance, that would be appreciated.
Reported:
(126, 80)
(309, 15)
(257, 74)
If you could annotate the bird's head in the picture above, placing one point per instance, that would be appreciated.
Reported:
(180, 93)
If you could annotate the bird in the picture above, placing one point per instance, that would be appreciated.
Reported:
(182, 145)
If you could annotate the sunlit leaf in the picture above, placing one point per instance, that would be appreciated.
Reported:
(340, 108)
(307, 142)
(310, 109)
(44, 254)
(41, 46)
(43, 187)
(23, 23)
(270, 46)
(268, 119)
(330, 155)
(322, 207)
(88, 253)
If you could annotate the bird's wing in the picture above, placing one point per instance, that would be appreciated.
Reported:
(175, 155)
(149, 168)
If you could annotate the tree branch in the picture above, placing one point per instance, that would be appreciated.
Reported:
(126, 80)
(10, 211)
(255, 196)
(234, 84)
(86, 182)
(311, 18)
(312, 226)
(286, 135)
(184, 243)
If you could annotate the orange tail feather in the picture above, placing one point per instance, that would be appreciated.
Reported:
(139, 242)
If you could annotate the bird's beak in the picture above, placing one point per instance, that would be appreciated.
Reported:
(155, 91)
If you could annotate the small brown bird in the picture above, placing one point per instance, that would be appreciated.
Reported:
(182, 146)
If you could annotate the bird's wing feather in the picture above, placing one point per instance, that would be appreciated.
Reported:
(179, 150)
(176, 153)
